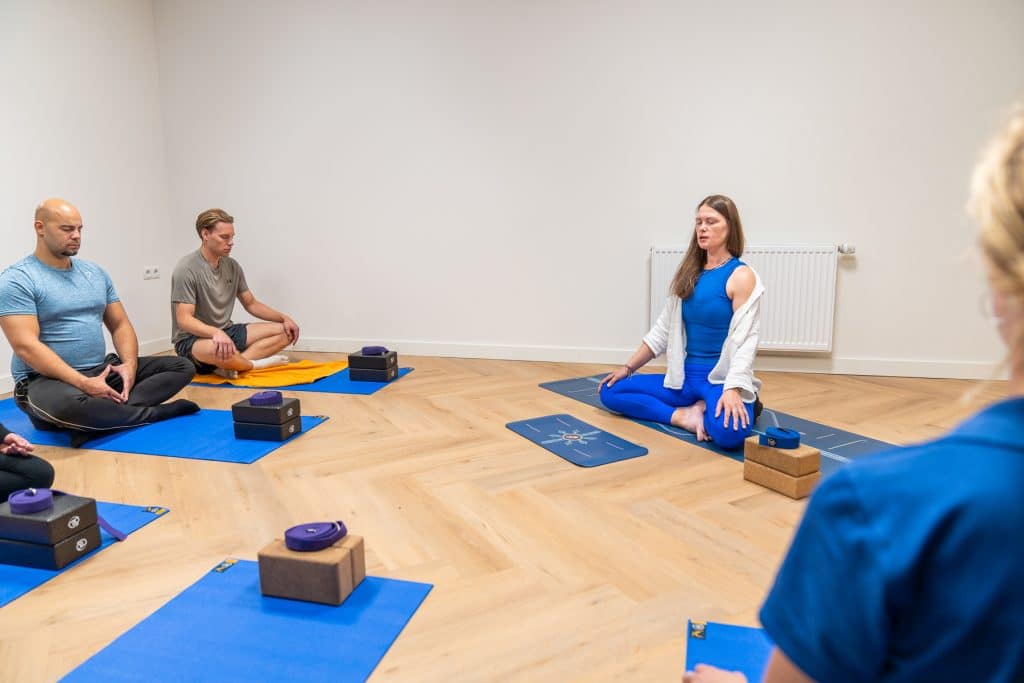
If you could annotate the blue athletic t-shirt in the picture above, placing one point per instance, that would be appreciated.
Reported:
(69, 305)
(707, 313)
(909, 565)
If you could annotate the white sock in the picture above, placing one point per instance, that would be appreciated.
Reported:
(270, 362)
(225, 373)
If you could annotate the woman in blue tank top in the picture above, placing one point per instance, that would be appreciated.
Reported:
(714, 305)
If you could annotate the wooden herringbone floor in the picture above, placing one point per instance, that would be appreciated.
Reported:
(543, 571)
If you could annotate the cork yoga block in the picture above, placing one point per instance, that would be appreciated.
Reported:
(787, 485)
(796, 462)
(326, 576)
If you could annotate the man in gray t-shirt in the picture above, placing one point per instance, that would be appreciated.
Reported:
(204, 287)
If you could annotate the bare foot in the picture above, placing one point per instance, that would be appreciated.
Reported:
(709, 674)
(225, 373)
(691, 418)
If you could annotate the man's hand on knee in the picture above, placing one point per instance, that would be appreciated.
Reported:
(223, 347)
(97, 387)
(127, 373)
(291, 329)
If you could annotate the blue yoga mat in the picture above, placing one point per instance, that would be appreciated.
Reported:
(836, 445)
(734, 648)
(16, 581)
(576, 441)
(338, 383)
(206, 435)
(222, 629)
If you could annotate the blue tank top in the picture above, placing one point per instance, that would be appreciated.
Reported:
(707, 313)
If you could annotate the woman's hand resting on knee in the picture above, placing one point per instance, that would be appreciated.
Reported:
(15, 445)
(734, 409)
(614, 376)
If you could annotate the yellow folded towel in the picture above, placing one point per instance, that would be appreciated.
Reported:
(299, 372)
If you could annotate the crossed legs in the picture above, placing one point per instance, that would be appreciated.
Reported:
(52, 404)
(691, 407)
(254, 343)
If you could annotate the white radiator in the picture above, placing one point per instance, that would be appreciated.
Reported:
(799, 302)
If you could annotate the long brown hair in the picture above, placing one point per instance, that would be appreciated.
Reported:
(696, 258)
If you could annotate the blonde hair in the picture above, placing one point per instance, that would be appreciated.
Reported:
(210, 218)
(997, 203)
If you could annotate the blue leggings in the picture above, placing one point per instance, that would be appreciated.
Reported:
(645, 397)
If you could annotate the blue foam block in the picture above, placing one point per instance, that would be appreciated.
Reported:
(206, 435)
(222, 629)
(576, 441)
(338, 383)
(16, 581)
(836, 445)
(734, 648)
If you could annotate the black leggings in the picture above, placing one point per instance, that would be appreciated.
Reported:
(52, 404)
(23, 472)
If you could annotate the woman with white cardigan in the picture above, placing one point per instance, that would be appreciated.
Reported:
(708, 331)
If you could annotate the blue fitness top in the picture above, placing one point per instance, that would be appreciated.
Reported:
(707, 313)
(69, 305)
(908, 565)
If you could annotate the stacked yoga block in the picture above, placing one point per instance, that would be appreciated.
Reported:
(267, 416)
(326, 574)
(47, 531)
(793, 472)
(373, 364)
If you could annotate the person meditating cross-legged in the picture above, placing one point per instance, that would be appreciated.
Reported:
(19, 469)
(204, 287)
(715, 306)
(53, 307)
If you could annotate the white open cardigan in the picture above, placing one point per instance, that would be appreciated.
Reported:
(735, 367)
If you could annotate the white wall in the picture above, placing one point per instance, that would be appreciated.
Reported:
(80, 119)
(487, 178)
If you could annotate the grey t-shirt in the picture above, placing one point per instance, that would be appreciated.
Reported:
(212, 290)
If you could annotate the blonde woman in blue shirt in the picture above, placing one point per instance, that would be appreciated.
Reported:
(908, 565)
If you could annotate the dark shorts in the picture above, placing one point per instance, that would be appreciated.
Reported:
(237, 333)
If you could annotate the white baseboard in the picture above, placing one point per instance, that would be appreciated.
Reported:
(560, 354)
(155, 346)
(886, 367)
(889, 367)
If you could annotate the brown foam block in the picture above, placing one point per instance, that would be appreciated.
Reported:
(794, 487)
(796, 462)
(327, 576)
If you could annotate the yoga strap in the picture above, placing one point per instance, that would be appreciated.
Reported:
(375, 350)
(266, 398)
(27, 501)
(314, 536)
(780, 437)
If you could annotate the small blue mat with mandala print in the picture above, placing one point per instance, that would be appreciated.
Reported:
(576, 441)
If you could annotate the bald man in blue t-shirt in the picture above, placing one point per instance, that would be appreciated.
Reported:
(53, 307)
